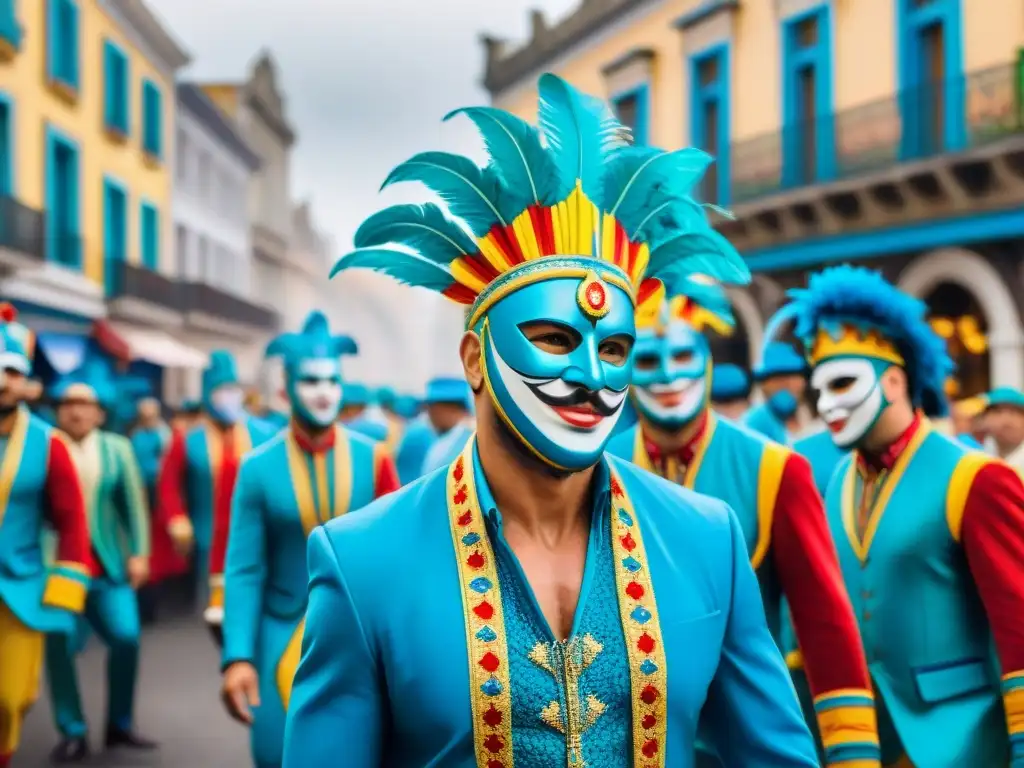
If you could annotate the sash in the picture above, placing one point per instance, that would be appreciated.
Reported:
(311, 497)
(12, 458)
(486, 641)
(242, 442)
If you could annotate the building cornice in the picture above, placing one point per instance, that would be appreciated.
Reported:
(705, 12)
(630, 57)
(272, 119)
(148, 33)
(505, 68)
(195, 102)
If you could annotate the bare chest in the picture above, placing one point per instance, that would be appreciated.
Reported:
(555, 576)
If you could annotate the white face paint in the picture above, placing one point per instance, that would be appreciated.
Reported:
(576, 430)
(675, 402)
(228, 403)
(850, 398)
(319, 390)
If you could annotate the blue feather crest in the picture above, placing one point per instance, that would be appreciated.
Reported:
(406, 268)
(856, 295)
(468, 192)
(422, 228)
(635, 176)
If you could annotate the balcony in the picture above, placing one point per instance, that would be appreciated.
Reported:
(141, 295)
(949, 148)
(22, 234)
(212, 309)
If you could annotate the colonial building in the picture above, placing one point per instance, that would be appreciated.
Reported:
(213, 239)
(309, 263)
(256, 108)
(879, 132)
(86, 136)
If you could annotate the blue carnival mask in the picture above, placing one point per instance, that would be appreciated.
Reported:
(315, 390)
(563, 404)
(850, 396)
(670, 374)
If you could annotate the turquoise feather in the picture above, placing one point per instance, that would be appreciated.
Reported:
(635, 175)
(704, 252)
(579, 133)
(517, 153)
(423, 228)
(403, 267)
(459, 182)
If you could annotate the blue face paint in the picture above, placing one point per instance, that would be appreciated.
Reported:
(314, 389)
(670, 374)
(563, 404)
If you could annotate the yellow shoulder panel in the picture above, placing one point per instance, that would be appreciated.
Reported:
(960, 486)
(769, 478)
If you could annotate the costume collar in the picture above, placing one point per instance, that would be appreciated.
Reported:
(602, 479)
(321, 445)
(687, 451)
(886, 460)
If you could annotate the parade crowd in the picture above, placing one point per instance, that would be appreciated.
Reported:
(596, 548)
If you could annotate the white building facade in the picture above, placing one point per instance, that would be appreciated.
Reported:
(214, 167)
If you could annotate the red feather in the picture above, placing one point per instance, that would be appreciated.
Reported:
(8, 313)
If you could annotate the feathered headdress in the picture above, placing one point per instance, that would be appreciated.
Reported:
(697, 300)
(777, 357)
(853, 311)
(550, 202)
(314, 340)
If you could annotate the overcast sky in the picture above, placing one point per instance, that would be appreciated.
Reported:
(365, 84)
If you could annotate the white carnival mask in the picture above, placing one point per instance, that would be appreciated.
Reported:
(850, 397)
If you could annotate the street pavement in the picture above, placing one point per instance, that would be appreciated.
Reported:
(177, 704)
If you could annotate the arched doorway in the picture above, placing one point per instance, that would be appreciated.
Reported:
(958, 317)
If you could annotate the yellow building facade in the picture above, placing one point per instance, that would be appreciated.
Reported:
(87, 89)
(884, 132)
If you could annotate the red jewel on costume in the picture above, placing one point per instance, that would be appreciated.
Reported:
(466, 518)
(592, 296)
(490, 662)
(485, 610)
(646, 644)
(634, 590)
(492, 717)
(476, 560)
(494, 743)
(649, 695)
(649, 722)
(628, 543)
(650, 748)
(460, 496)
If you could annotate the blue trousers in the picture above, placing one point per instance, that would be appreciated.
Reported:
(112, 612)
(267, 732)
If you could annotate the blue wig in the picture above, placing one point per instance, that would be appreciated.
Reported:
(862, 298)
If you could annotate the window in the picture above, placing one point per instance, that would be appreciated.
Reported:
(203, 260)
(6, 148)
(152, 119)
(182, 150)
(625, 110)
(115, 234)
(808, 149)
(10, 28)
(204, 174)
(631, 110)
(186, 270)
(149, 230)
(63, 200)
(62, 49)
(115, 88)
(709, 127)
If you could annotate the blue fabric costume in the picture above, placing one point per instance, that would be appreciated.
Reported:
(447, 448)
(940, 575)
(438, 653)
(118, 514)
(777, 359)
(265, 575)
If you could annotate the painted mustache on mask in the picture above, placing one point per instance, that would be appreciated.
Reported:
(558, 393)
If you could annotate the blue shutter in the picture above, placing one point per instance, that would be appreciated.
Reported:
(10, 29)
(150, 227)
(152, 119)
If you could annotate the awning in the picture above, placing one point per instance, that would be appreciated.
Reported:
(160, 348)
(64, 351)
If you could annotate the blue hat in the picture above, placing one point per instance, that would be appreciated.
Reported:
(190, 405)
(314, 340)
(779, 359)
(1005, 396)
(220, 371)
(356, 394)
(852, 311)
(92, 380)
(407, 406)
(384, 397)
(448, 390)
(730, 382)
(17, 342)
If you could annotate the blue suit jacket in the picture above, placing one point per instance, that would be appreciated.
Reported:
(384, 676)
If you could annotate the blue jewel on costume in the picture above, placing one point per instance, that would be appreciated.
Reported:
(470, 539)
(648, 667)
(631, 565)
(625, 517)
(487, 635)
(640, 614)
(480, 584)
(492, 687)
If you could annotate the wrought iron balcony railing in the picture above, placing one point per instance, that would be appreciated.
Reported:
(951, 116)
(126, 280)
(22, 229)
(199, 297)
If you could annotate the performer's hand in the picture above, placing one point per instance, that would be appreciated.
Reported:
(182, 535)
(138, 571)
(240, 690)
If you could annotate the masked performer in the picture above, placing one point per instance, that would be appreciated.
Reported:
(771, 489)
(118, 514)
(330, 471)
(198, 475)
(730, 391)
(930, 534)
(553, 613)
(781, 375)
(447, 407)
(38, 484)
